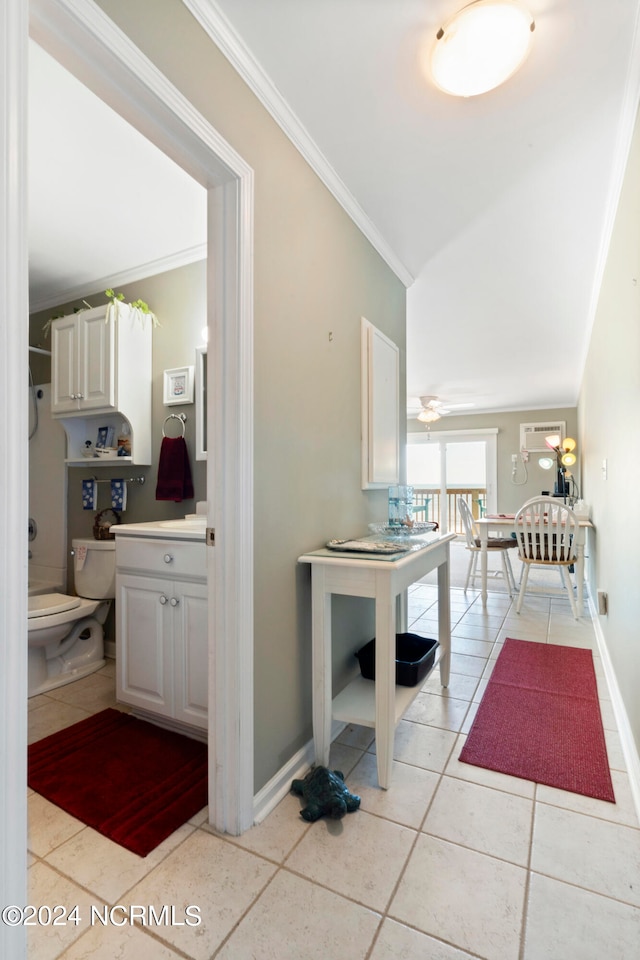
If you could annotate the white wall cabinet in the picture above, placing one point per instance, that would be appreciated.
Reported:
(162, 616)
(380, 379)
(101, 376)
(82, 371)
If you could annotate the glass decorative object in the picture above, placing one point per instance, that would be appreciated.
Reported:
(400, 506)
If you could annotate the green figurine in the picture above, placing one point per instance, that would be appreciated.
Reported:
(325, 794)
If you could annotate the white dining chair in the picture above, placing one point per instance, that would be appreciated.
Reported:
(472, 537)
(546, 535)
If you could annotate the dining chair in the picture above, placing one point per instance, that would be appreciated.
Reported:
(546, 535)
(501, 544)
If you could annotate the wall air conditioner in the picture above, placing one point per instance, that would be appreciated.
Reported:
(532, 435)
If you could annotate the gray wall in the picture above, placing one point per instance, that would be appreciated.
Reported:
(609, 412)
(314, 274)
(510, 495)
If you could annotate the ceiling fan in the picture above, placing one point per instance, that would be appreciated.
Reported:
(433, 408)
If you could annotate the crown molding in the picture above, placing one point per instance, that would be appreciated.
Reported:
(225, 37)
(162, 265)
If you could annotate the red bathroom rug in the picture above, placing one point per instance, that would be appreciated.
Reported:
(128, 779)
(539, 719)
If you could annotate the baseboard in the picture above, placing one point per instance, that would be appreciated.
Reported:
(629, 749)
(280, 785)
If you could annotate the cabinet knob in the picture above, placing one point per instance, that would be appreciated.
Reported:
(168, 558)
(163, 599)
(174, 602)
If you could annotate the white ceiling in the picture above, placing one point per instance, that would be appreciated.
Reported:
(495, 210)
(106, 207)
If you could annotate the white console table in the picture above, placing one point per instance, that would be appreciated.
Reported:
(384, 578)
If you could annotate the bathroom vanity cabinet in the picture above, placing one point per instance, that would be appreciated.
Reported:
(101, 376)
(161, 627)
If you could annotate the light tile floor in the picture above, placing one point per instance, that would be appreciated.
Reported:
(452, 862)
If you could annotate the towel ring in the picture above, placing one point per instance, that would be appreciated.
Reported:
(182, 417)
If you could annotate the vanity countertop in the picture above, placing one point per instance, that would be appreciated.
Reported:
(185, 529)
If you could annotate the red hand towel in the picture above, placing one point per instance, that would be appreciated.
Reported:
(174, 472)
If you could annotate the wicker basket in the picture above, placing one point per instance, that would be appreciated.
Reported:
(102, 524)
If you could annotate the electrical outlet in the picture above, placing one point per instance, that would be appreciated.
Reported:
(525, 456)
(514, 458)
(604, 469)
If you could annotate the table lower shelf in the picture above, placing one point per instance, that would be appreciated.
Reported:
(356, 703)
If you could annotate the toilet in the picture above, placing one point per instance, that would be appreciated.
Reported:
(66, 639)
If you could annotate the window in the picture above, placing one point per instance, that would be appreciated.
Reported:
(444, 465)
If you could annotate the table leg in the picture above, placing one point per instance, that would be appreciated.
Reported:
(402, 612)
(385, 679)
(484, 536)
(579, 573)
(321, 665)
(444, 620)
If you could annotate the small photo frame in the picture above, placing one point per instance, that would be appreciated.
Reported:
(103, 436)
(178, 386)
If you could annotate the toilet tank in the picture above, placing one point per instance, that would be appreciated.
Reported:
(94, 568)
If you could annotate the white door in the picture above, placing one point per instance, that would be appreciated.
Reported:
(453, 463)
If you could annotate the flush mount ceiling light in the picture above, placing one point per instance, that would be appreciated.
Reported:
(481, 46)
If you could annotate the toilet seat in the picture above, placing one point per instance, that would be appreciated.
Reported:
(46, 604)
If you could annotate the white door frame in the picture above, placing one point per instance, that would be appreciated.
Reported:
(83, 38)
(14, 475)
(89, 44)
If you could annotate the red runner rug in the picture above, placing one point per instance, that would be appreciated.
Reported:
(128, 779)
(539, 719)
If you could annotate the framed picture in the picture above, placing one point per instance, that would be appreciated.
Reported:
(105, 437)
(178, 386)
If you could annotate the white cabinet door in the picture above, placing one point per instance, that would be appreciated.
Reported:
(83, 367)
(96, 361)
(64, 365)
(144, 652)
(190, 617)
(162, 647)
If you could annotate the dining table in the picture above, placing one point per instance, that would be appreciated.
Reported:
(503, 524)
